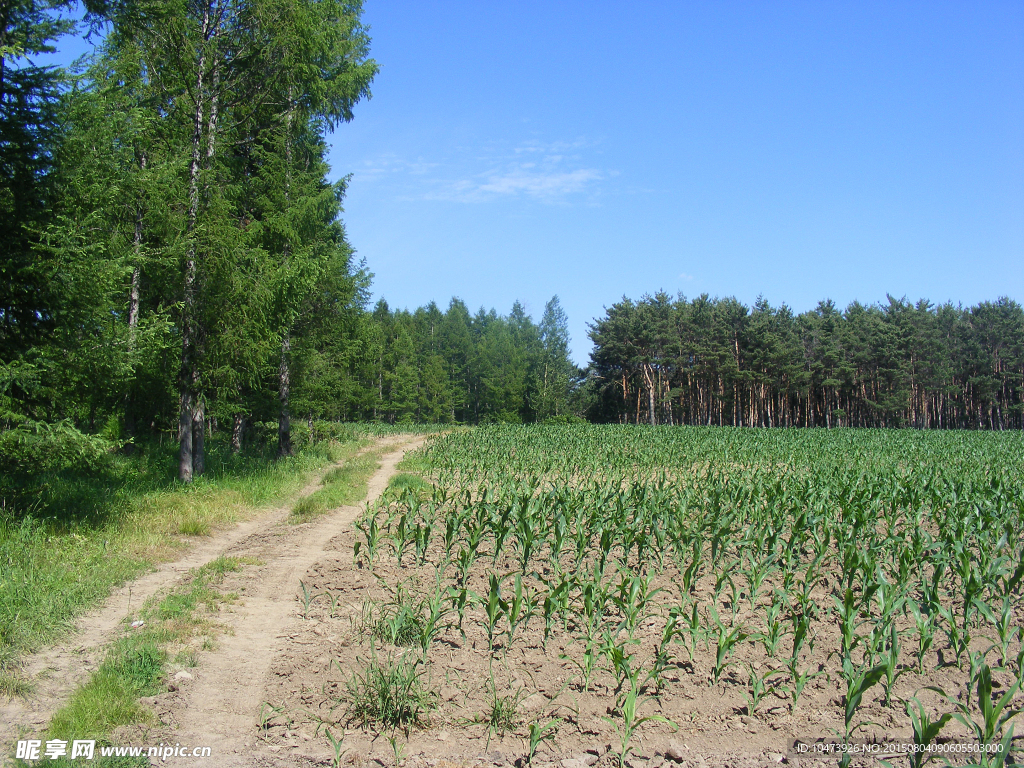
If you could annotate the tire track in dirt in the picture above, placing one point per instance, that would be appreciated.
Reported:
(59, 669)
(219, 705)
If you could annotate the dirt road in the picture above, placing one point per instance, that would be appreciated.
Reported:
(220, 704)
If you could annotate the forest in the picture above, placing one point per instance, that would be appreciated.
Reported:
(175, 266)
(718, 362)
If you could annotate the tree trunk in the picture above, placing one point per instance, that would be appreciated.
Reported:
(284, 427)
(198, 436)
(134, 292)
(236, 432)
(187, 374)
(185, 436)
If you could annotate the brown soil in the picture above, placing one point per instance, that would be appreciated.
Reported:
(710, 723)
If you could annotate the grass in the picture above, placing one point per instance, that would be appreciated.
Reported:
(417, 462)
(340, 486)
(399, 621)
(502, 713)
(389, 692)
(135, 665)
(84, 533)
(404, 481)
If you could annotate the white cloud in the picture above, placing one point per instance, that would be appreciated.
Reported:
(549, 172)
(540, 183)
(685, 276)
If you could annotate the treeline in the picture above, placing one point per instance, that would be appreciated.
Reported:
(708, 361)
(442, 367)
(173, 258)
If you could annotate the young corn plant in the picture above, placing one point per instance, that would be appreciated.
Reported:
(799, 679)
(628, 706)
(520, 607)
(859, 680)
(337, 747)
(556, 603)
(774, 631)
(308, 596)
(619, 661)
(759, 686)
(924, 623)
(634, 593)
(959, 637)
(402, 536)
(995, 711)
(537, 734)
(926, 730)
(494, 609)
(1002, 623)
(421, 539)
(692, 630)
(588, 662)
(663, 653)
(367, 526)
(890, 660)
(728, 638)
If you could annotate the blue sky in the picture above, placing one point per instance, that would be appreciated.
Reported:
(799, 150)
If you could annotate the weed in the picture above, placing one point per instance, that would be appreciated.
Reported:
(388, 692)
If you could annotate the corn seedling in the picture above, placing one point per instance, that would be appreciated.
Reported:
(725, 643)
(758, 686)
(337, 747)
(267, 714)
(307, 598)
(995, 711)
(538, 734)
(625, 728)
(926, 730)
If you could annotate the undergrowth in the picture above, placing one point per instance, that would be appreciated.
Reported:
(389, 692)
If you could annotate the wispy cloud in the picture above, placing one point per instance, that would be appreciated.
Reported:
(539, 183)
(685, 276)
(549, 172)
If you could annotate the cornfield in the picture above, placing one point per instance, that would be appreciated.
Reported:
(856, 583)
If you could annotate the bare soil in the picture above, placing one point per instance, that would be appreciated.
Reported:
(710, 722)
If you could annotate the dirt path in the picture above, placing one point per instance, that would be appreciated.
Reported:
(218, 705)
(287, 551)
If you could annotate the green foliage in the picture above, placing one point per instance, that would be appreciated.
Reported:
(708, 361)
(389, 692)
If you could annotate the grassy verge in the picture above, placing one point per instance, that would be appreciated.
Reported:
(175, 630)
(90, 532)
(345, 484)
